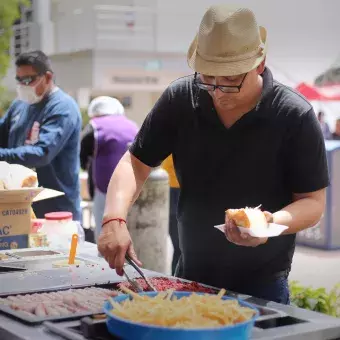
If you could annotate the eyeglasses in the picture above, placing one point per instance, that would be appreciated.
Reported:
(27, 80)
(223, 88)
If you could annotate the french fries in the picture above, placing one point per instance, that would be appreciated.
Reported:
(194, 311)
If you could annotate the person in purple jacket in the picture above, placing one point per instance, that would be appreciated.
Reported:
(104, 141)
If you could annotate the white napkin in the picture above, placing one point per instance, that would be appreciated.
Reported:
(272, 230)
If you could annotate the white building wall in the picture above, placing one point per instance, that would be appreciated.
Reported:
(42, 34)
(301, 44)
(104, 24)
(303, 35)
(74, 25)
(73, 71)
(127, 74)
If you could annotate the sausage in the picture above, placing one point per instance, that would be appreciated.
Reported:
(28, 297)
(81, 294)
(55, 296)
(40, 310)
(21, 297)
(46, 297)
(14, 299)
(63, 311)
(60, 303)
(82, 305)
(28, 307)
(52, 311)
(93, 307)
(73, 310)
(60, 295)
(69, 300)
(98, 302)
(37, 297)
(108, 292)
(98, 299)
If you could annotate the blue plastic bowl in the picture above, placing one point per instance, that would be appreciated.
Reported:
(129, 330)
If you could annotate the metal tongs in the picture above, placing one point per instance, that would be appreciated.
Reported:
(134, 284)
(140, 272)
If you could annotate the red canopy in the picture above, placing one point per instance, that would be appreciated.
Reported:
(325, 93)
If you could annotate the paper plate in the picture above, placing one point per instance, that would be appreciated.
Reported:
(272, 230)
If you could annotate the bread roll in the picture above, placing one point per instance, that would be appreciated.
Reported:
(5, 175)
(15, 176)
(247, 217)
(22, 177)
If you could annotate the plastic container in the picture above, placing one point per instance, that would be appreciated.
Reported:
(59, 217)
(127, 329)
(36, 225)
(59, 228)
(37, 240)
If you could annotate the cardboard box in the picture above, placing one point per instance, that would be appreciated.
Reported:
(15, 214)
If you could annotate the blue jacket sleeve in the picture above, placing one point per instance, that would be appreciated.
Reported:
(55, 130)
(4, 128)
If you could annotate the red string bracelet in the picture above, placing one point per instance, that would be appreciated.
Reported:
(120, 220)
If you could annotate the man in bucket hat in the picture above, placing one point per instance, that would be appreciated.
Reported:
(238, 138)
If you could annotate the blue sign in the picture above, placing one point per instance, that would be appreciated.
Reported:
(14, 242)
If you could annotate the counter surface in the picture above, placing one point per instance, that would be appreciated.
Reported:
(316, 326)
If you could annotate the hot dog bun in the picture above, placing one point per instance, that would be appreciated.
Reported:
(22, 177)
(247, 217)
(15, 176)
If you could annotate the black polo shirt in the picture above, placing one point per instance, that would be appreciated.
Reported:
(273, 151)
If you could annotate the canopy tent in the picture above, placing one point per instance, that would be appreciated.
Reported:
(330, 76)
(323, 93)
(323, 98)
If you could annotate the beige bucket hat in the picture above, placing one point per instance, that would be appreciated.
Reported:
(229, 42)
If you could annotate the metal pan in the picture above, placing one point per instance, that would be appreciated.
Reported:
(265, 313)
(10, 269)
(62, 332)
(86, 328)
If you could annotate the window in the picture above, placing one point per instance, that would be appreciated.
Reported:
(21, 30)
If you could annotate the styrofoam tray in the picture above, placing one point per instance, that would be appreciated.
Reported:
(272, 230)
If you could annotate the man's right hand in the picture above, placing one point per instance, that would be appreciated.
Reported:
(113, 243)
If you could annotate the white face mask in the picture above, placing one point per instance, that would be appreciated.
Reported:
(27, 94)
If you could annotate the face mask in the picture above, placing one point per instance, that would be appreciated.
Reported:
(27, 94)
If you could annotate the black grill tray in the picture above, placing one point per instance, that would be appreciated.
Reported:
(265, 312)
(37, 320)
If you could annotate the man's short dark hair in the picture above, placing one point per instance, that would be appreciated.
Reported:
(37, 59)
(321, 114)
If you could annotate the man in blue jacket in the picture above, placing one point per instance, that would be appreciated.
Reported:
(41, 130)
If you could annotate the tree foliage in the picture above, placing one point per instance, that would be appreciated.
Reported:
(9, 13)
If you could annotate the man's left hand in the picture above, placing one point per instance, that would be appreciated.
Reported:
(235, 236)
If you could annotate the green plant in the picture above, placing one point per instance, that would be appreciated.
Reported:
(318, 300)
(9, 12)
(5, 102)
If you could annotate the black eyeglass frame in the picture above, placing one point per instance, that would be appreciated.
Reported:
(27, 80)
(223, 88)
